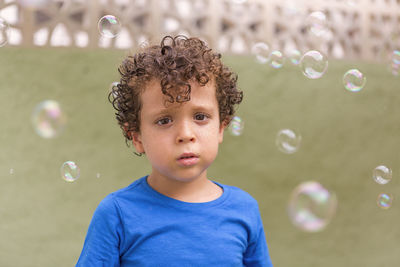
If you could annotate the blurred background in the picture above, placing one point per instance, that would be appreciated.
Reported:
(315, 140)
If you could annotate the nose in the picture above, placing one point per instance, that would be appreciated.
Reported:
(185, 132)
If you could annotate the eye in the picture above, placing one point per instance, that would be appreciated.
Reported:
(163, 121)
(201, 116)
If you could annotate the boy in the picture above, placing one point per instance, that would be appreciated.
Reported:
(174, 102)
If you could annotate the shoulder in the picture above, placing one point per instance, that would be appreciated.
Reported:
(238, 192)
(240, 197)
(112, 201)
(244, 206)
(128, 189)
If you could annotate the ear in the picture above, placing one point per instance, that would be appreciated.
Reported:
(222, 127)
(136, 138)
(137, 141)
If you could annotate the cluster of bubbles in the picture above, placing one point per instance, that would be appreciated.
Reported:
(313, 63)
(109, 26)
(311, 206)
(383, 175)
(274, 58)
(236, 126)
(48, 119)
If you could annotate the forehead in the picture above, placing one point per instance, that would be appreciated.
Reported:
(154, 100)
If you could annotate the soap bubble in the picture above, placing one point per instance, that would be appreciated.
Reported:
(109, 26)
(4, 31)
(396, 57)
(311, 206)
(317, 24)
(382, 174)
(276, 59)
(236, 126)
(313, 64)
(70, 171)
(384, 201)
(114, 89)
(114, 86)
(144, 44)
(354, 80)
(48, 119)
(261, 52)
(288, 141)
(294, 56)
(394, 68)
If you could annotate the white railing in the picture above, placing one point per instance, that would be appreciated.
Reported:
(356, 29)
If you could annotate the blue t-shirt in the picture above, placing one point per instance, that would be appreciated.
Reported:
(138, 226)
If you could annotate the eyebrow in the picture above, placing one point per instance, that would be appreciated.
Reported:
(172, 110)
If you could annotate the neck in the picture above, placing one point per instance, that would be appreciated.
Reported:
(198, 190)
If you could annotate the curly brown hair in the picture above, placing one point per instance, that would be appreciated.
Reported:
(175, 62)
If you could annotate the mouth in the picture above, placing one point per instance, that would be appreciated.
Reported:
(188, 156)
(188, 159)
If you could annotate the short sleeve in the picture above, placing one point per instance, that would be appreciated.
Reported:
(257, 251)
(103, 238)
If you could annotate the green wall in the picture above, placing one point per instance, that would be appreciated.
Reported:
(345, 135)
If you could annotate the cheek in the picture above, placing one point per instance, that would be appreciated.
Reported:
(157, 154)
(210, 138)
(153, 143)
(212, 132)
(157, 144)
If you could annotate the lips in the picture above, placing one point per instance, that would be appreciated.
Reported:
(188, 159)
(187, 156)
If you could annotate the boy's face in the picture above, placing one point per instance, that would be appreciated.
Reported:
(188, 127)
